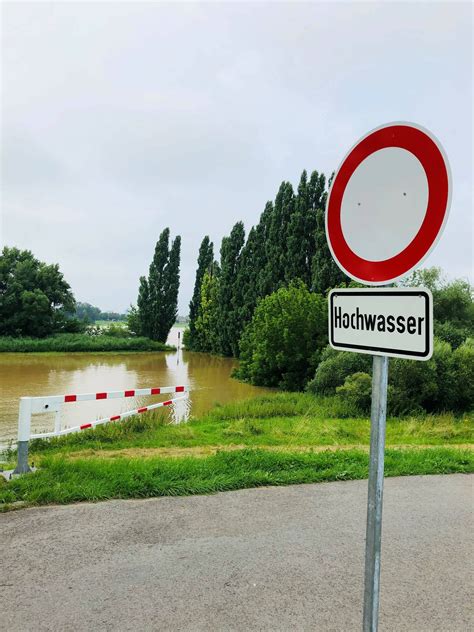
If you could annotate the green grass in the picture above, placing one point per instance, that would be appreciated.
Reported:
(79, 342)
(275, 439)
(63, 481)
(276, 419)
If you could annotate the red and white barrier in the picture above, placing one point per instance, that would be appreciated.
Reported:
(53, 403)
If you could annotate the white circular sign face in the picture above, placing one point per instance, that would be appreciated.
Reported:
(386, 196)
(388, 203)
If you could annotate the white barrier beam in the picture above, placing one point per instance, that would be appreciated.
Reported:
(53, 403)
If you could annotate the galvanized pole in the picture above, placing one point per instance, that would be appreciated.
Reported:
(375, 493)
(24, 424)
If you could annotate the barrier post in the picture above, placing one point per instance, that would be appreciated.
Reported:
(24, 427)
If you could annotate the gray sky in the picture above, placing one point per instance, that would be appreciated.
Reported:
(119, 119)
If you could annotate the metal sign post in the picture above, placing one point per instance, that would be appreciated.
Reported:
(386, 209)
(375, 494)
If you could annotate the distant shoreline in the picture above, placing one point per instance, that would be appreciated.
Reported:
(81, 343)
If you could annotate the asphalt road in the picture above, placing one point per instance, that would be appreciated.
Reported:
(288, 558)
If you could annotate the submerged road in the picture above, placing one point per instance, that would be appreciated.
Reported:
(288, 558)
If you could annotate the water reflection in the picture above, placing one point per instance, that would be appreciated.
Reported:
(25, 374)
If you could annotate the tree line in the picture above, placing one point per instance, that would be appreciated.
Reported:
(157, 303)
(36, 301)
(90, 313)
(287, 244)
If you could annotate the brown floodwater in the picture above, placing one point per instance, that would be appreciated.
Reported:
(27, 374)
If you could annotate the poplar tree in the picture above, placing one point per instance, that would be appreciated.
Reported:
(205, 259)
(246, 294)
(288, 243)
(276, 247)
(300, 237)
(158, 294)
(206, 325)
(170, 291)
(227, 298)
(325, 272)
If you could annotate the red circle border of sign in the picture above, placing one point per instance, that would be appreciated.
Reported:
(421, 144)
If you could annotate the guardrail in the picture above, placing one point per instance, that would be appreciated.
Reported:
(53, 403)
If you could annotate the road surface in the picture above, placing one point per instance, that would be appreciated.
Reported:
(288, 558)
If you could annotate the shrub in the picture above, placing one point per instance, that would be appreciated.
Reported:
(186, 338)
(463, 364)
(414, 385)
(116, 331)
(445, 397)
(445, 382)
(451, 333)
(281, 345)
(335, 367)
(357, 391)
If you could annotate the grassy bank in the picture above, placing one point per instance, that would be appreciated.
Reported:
(276, 439)
(79, 342)
(285, 420)
(63, 481)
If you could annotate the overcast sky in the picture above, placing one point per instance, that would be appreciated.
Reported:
(119, 119)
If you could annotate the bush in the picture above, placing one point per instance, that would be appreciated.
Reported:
(116, 331)
(463, 364)
(451, 333)
(445, 382)
(335, 367)
(74, 326)
(281, 345)
(35, 300)
(186, 338)
(357, 391)
(413, 384)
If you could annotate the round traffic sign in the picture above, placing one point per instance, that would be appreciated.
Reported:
(388, 203)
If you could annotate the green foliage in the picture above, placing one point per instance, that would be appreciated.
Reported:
(91, 314)
(326, 273)
(86, 311)
(35, 300)
(287, 244)
(357, 390)
(158, 294)
(186, 339)
(206, 334)
(116, 331)
(335, 367)
(445, 382)
(451, 333)
(280, 347)
(63, 481)
(228, 329)
(413, 386)
(463, 361)
(133, 320)
(452, 301)
(79, 342)
(205, 261)
(284, 419)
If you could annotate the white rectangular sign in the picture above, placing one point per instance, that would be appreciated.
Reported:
(396, 322)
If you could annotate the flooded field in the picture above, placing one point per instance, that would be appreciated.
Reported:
(56, 374)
